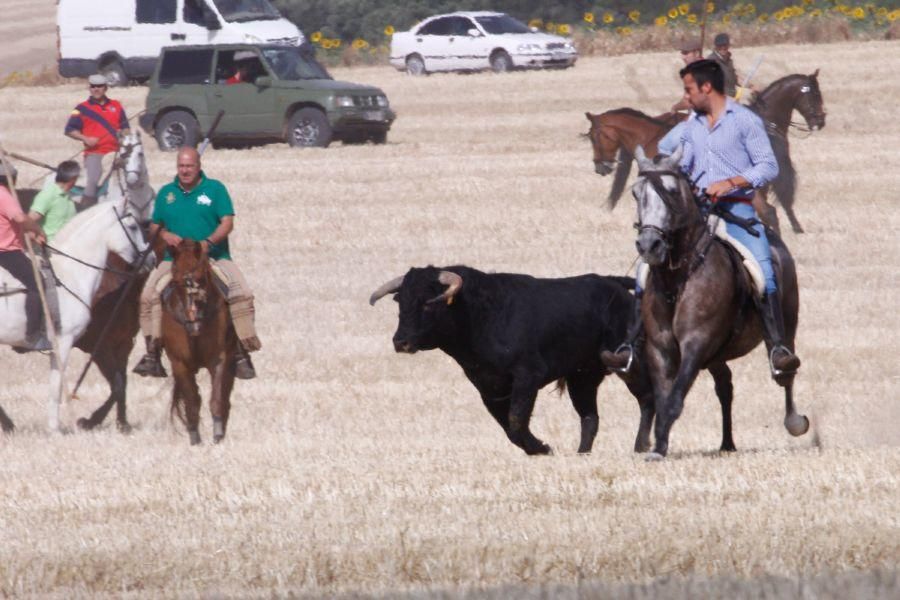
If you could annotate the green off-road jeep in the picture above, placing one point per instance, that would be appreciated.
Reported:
(268, 93)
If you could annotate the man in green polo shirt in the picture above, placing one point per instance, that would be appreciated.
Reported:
(53, 207)
(198, 208)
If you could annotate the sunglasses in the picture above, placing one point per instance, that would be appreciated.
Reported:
(101, 85)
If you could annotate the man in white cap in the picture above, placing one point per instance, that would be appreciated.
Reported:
(245, 66)
(14, 224)
(97, 123)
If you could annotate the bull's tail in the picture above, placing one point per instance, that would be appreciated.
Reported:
(623, 170)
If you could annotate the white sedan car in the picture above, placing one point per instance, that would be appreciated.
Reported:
(470, 41)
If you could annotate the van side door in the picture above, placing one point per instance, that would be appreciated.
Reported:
(157, 21)
(197, 20)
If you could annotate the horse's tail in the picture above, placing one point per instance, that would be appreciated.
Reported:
(623, 170)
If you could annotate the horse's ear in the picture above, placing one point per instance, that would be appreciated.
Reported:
(639, 153)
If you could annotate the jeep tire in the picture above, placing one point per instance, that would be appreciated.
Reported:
(308, 128)
(176, 129)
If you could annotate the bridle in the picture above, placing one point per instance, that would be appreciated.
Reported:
(192, 314)
(808, 101)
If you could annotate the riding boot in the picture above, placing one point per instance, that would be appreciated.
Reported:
(781, 359)
(35, 328)
(621, 359)
(86, 203)
(243, 366)
(150, 365)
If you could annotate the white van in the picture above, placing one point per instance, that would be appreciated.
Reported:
(122, 38)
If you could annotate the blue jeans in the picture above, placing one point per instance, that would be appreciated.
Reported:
(758, 246)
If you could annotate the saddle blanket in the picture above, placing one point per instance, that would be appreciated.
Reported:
(718, 227)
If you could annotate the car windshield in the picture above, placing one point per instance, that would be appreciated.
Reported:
(288, 63)
(238, 11)
(502, 24)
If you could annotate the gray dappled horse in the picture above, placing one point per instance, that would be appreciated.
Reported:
(698, 312)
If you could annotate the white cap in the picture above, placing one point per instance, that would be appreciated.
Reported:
(244, 54)
(97, 79)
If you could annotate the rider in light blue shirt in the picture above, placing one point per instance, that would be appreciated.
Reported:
(727, 153)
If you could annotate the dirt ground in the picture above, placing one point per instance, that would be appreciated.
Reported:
(349, 469)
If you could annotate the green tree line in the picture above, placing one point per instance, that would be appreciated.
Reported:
(367, 19)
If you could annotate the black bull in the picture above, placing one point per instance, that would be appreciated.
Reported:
(514, 334)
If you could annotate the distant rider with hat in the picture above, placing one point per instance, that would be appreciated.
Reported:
(97, 123)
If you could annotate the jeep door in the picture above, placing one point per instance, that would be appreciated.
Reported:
(184, 77)
(249, 108)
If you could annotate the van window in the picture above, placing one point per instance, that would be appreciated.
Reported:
(237, 11)
(193, 12)
(186, 66)
(156, 11)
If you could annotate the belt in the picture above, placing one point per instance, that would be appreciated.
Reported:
(741, 199)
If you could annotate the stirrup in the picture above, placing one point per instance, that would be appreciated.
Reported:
(627, 367)
(778, 372)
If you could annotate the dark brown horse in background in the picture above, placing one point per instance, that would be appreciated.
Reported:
(698, 311)
(197, 334)
(615, 134)
(775, 105)
(619, 131)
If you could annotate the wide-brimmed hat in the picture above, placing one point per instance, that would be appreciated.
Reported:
(690, 45)
(97, 79)
(722, 39)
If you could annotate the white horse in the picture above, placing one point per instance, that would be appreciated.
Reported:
(129, 179)
(78, 259)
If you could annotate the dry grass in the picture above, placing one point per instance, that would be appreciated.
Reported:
(349, 469)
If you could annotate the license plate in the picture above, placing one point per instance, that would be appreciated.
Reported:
(373, 115)
(560, 56)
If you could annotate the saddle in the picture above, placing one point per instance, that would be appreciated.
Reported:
(10, 286)
(718, 227)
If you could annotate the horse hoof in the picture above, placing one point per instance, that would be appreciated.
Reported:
(796, 424)
(218, 438)
(195, 438)
(124, 427)
(654, 457)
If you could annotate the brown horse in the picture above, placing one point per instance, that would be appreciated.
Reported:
(622, 129)
(698, 311)
(615, 134)
(775, 105)
(197, 333)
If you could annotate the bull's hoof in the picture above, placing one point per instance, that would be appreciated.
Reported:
(124, 427)
(654, 457)
(84, 424)
(195, 437)
(540, 450)
(7, 426)
(796, 424)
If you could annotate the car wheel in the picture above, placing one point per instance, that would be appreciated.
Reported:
(415, 65)
(308, 127)
(176, 129)
(378, 137)
(114, 73)
(501, 62)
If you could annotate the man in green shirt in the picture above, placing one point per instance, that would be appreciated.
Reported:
(53, 207)
(198, 208)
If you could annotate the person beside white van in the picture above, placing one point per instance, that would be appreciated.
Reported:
(97, 123)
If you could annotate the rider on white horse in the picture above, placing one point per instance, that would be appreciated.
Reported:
(53, 207)
(14, 223)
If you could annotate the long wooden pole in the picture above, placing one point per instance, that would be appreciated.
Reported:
(702, 26)
(39, 280)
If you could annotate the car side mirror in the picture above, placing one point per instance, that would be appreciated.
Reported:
(210, 20)
(263, 81)
(473, 32)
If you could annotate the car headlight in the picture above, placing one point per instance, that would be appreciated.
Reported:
(344, 101)
(530, 48)
(569, 46)
(382, 101)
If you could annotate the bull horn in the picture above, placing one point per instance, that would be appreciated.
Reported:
(453, 282)
(388, 288)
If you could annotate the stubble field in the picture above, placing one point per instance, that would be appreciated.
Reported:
(350, 469)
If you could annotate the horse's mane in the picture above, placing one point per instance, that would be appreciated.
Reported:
(778, 82)
(631, 112)
(82, 219)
